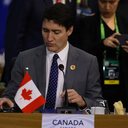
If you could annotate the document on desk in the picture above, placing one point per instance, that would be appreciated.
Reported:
(67, 121)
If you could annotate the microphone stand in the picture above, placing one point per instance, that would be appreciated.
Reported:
(66, 109)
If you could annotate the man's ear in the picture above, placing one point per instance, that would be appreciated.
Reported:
(70, 30)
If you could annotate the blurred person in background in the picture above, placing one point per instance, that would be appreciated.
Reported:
(4, 5)
(97, 35)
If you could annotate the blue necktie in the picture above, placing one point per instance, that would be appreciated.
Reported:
(52, 88)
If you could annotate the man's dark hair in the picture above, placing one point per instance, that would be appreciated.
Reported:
(60, 14)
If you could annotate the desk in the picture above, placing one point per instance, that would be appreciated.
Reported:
(20, 120)
(111, 121)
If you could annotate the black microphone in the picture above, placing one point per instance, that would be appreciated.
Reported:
(61, 67)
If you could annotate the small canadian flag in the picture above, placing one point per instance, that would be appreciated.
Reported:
(28, 97)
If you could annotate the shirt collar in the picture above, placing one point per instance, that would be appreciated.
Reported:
(62, 54)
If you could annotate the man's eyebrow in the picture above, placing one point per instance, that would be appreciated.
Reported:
(51, 29)
(55, 30)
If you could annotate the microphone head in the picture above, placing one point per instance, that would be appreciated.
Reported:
(61, 67)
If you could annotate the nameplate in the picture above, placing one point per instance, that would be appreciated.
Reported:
(67, 121)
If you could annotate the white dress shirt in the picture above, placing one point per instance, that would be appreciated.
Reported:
(61, 60)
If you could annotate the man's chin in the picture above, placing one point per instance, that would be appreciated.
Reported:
(51, 49)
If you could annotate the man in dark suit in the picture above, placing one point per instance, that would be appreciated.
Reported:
(81, 77)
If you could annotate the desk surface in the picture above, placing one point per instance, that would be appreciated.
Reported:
(111, 121)
(20, 120)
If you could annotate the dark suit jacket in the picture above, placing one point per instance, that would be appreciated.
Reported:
(84, 79)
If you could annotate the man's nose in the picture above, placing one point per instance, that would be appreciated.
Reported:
(50, 36)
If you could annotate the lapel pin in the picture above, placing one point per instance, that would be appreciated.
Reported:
(73, 67)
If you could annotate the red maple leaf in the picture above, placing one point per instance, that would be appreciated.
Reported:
(26, 94)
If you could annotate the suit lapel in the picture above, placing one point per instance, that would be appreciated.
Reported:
(40, 65)
(71, 68)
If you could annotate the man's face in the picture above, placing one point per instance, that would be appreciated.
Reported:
(108, 7)
(55, 36)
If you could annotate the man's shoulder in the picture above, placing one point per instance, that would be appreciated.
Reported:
(32, 54)
(82, 53)
(33, 50)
